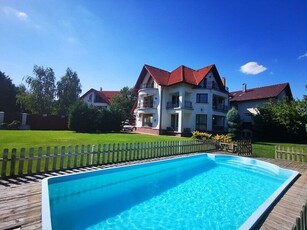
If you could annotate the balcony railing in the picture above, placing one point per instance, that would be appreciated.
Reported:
(220, 107)
(170, 105)
(145, 105)
(186, 105)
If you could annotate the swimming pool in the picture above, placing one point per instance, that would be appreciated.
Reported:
(207, 191)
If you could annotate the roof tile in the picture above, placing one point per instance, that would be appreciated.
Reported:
(265, 92)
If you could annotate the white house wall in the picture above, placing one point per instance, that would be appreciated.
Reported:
(242, 107)
(186, 117)
(90, 100)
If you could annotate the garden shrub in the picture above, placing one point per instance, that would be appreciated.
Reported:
(201, 135)
(222, 138)
(208, 136)
(84, 118)
(234, 122)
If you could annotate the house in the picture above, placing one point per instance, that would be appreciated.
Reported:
(247, 100)
(180, 101)
(101, 99)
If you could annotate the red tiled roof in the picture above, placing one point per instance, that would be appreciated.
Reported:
(105, 95)
(182, 74)
(265, 92)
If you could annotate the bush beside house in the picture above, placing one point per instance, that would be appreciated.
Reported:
(84, 118)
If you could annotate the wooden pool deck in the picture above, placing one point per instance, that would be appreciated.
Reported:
(20, 200)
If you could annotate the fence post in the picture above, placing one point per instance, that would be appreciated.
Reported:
(4, 162)
(92, 154)
(13, 162)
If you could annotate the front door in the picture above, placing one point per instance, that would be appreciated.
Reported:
(174, 121)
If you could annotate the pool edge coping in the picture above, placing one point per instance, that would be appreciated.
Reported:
(250, 223)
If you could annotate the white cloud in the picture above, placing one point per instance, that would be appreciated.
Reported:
(302, 56)
(9, 11)
(22, 15)
(252, 68)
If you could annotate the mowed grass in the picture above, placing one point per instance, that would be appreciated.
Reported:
(29, 138)
(267, 149)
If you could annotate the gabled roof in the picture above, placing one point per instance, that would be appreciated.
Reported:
(182, 74)
(108, 95)
(105, 95)
(260, 93)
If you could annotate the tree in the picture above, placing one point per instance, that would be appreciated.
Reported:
(7, 94)
(84, 118)
(283, 121)
(305, 96)
(234, 120)
(123, 102)
(23, 98)
(40, 97)
(68, 91)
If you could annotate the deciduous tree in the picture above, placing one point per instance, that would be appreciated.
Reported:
(283, 121)
(41, 94)
(68, 91)
(7, 94)
(123, 102)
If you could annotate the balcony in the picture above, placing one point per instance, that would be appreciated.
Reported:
(146, 105)
(186, 105)
(170, 105)
(148, 91)
(220, 107)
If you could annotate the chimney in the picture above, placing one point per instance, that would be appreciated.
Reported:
(100, 89)
(244, 87)
(224, 81)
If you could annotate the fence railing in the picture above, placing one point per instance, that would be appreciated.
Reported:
(301, 222)
(241, 147)
(290, 153)
(34, 161)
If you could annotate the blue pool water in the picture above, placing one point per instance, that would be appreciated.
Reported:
(200, 192)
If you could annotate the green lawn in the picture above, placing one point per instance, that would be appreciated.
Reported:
(267, 149)
(29, 138)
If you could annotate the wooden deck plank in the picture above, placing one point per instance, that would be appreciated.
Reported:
(20, 205)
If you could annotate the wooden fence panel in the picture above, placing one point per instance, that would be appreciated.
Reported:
(21, 161)
(41, 160)
(244, 147)
(290, 153)
(301, 222)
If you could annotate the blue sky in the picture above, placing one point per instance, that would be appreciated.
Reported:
(107, 42)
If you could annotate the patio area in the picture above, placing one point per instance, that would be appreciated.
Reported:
(20, 199)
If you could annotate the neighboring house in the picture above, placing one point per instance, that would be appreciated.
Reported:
(247, 100)
(180, 101)
(101, 99)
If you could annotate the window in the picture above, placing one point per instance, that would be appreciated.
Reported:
(148, 102)
(174, 122)
(201, 98)
(201, 122)
(175, 101)
(147, 120)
